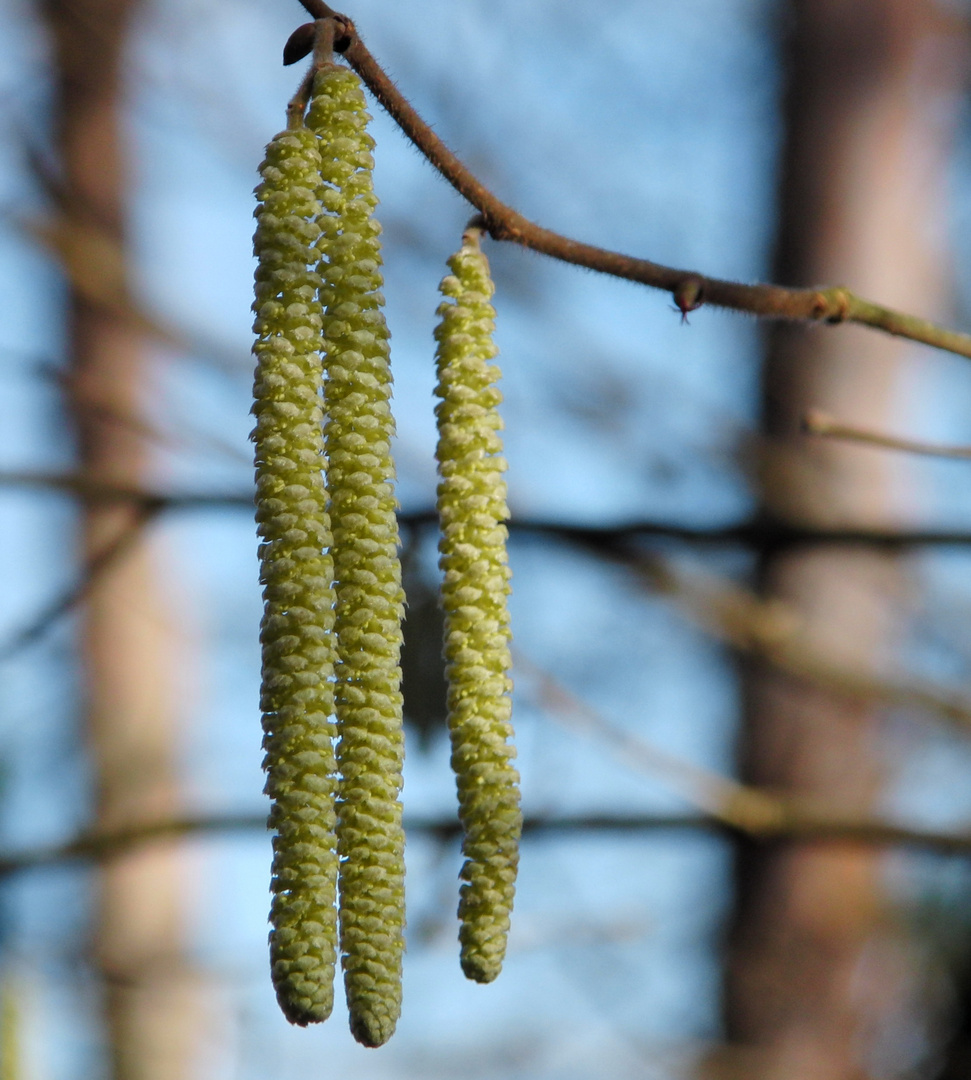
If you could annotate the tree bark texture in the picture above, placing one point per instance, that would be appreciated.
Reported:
(152, 1001)
(817, 977)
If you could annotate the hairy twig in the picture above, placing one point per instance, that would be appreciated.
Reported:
(319, 10)
(689, 288)
(819, 423)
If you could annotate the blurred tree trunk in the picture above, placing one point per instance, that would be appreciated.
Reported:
(129, 664)
(817, 979)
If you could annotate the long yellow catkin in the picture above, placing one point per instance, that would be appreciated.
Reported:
(368, 574)
(296, 573)
(472, 508)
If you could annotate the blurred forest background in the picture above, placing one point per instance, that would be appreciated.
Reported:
(742, 655)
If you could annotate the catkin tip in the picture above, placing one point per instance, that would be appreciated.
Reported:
(371, 1030)
(301, 1013)
(476, 970)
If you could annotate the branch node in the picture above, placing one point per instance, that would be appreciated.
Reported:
(838, 310)
(345, 33)
(474, 229)
(496, 227)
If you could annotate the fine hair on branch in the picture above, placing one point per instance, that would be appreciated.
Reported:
(689, 288)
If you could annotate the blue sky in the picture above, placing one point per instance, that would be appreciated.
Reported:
(652, 128)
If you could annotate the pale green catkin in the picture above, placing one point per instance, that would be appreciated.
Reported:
(296, 573)
(367, 570)
(472, 508)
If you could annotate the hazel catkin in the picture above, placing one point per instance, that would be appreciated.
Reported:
(472, 508)
(296, 573)
(369, 603)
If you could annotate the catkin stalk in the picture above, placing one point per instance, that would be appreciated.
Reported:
(296, 572)
(472, 508)
(368, 574)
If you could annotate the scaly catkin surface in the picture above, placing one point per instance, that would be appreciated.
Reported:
(472, 508)
(296, 573)
(368, 574)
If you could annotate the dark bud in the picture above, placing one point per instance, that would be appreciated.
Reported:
(689, 295)
(300, 44)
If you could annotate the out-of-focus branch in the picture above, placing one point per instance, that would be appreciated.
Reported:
(720, 797)
(11, 1023)
(94, 264)
(97, 565)
(819, 423)
(730, 612)
(92, 261)
(739, 808)
(93, 845)
(772, 632)
(800, 825)
(88, 488)
(689, 288)
(757, 534)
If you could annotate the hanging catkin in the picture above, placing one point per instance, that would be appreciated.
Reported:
(296, 573)
(472, 508)
(367, 570)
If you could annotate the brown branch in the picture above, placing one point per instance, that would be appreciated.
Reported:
(819, 423)
(759, 533)
(734, 615)
(100, 846)
(93, 262)
(319, 10)
(800, 826)
(92, 489)
(689, 288)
